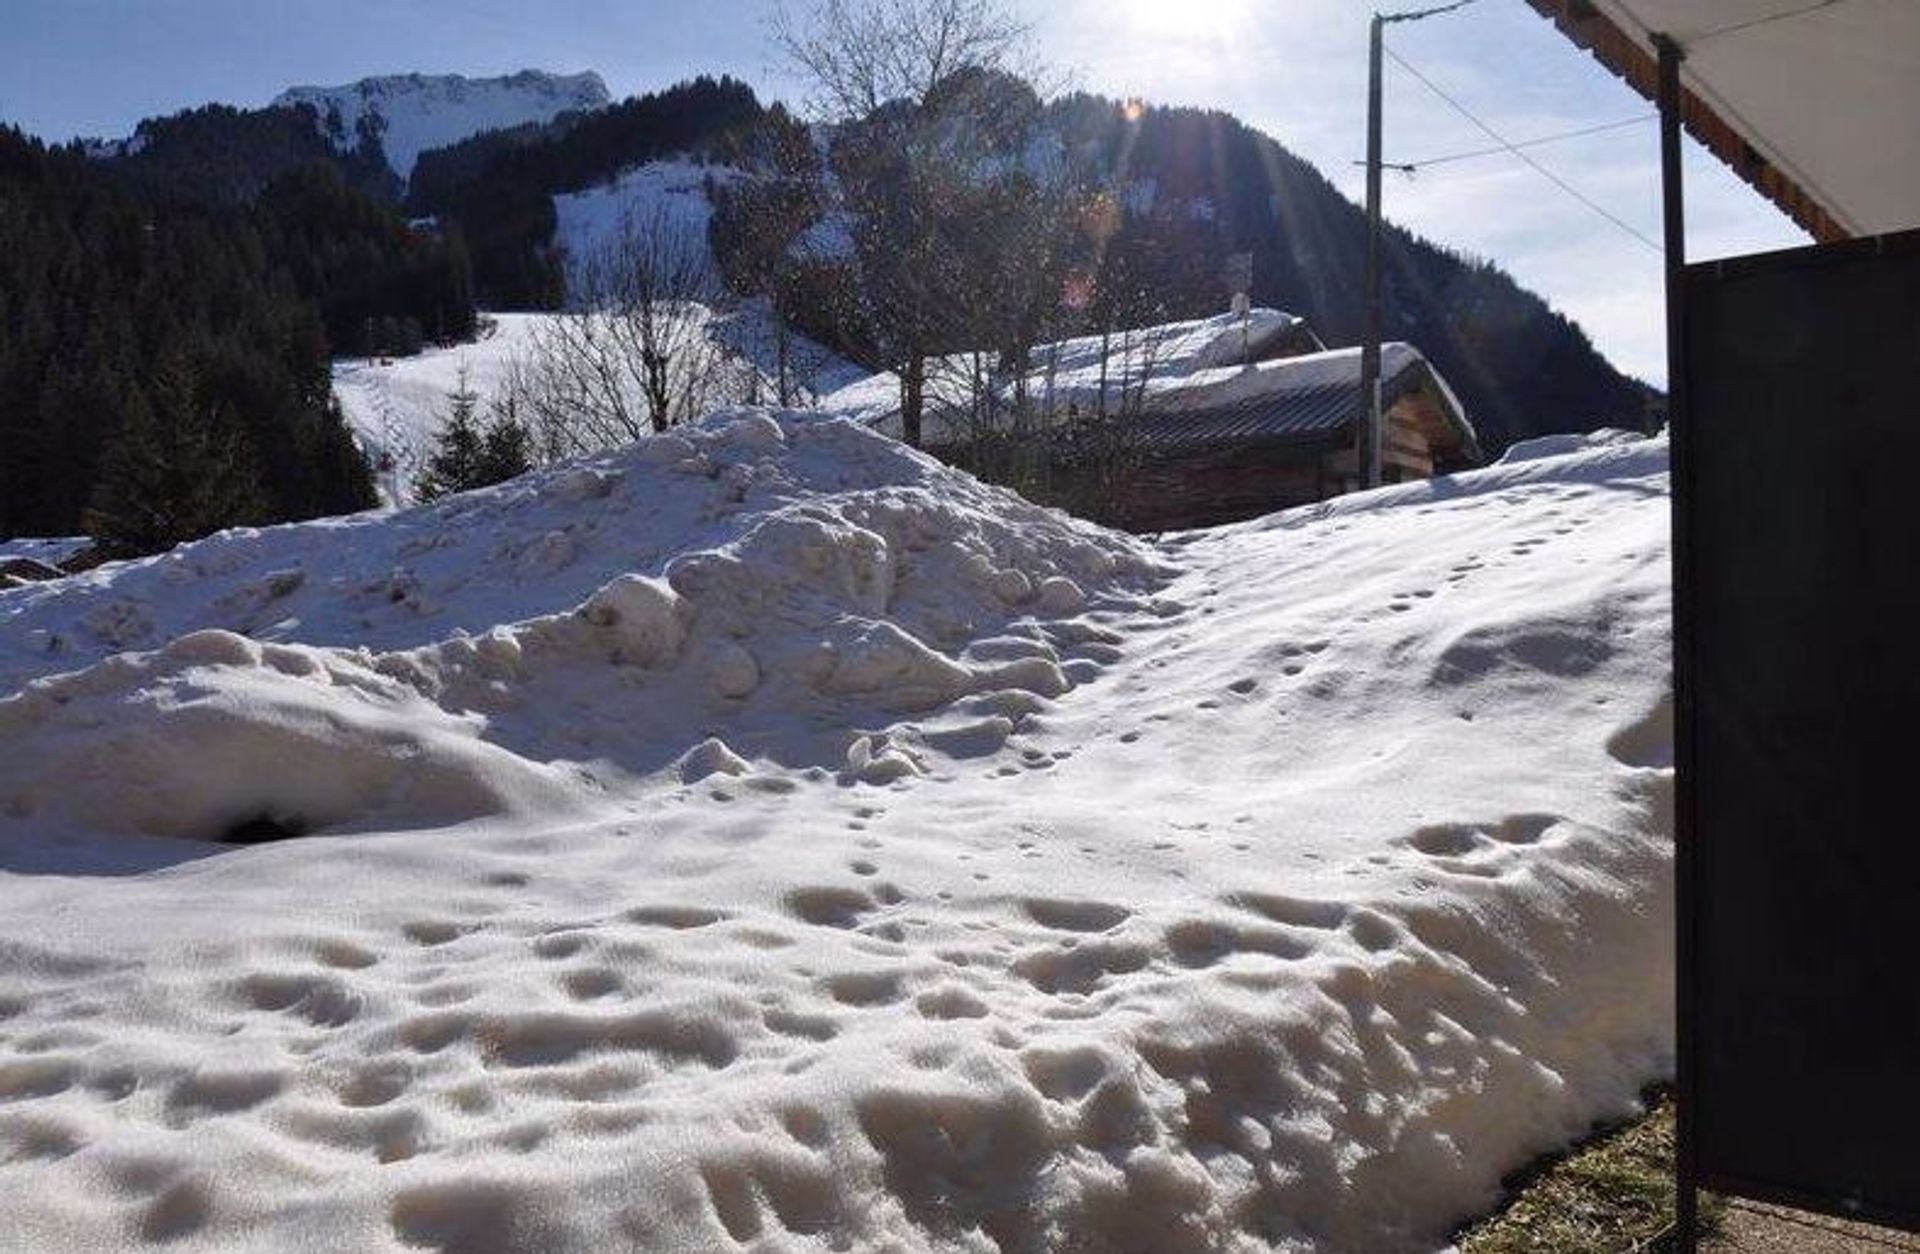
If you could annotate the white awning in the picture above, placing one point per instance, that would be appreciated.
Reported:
(1815, 102)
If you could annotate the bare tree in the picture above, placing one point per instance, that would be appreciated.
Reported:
(930, 102)
(635, 354)
(861, 54)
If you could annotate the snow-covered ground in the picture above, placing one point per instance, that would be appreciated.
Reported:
(765, 838)
(415, 112)
(669, 196)
(398, 405)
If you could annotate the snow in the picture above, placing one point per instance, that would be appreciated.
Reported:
(763, 837)
(1560, 445)
(416, 112)
(667, 194)
(51, 550)
(397, 406)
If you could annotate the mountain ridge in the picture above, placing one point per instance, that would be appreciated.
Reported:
(411, 113)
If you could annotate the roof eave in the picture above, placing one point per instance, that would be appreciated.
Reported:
(1588, 27)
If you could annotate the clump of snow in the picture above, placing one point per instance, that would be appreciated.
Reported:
(780, 872)
(1561, 445)
(646, 618)
(411, 113)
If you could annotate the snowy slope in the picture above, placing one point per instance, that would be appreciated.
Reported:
(813, 849)
(415, 112)
(396, 406)
(657, 195)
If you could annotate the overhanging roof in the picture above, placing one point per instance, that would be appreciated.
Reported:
(1814, 102)
(1320, 404)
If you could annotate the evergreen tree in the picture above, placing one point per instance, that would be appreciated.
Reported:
(458, 461)
(471, 456)
(507, 450)
(342, 476)
(178, 468)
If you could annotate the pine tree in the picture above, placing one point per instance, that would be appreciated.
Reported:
(178, 468)
(507, 450)
(457, 463)
(342, 475)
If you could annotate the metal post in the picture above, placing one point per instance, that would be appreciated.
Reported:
(1367, 448)
(1680, 435)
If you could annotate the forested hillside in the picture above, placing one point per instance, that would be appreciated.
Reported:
(164, 364)
(497, 187)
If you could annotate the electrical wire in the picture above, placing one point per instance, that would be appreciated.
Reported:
(1410, 166)
(1507, 145)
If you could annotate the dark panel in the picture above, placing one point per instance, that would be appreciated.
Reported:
(1803, 393)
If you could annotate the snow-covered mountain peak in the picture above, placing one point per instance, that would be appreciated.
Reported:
(411, 113)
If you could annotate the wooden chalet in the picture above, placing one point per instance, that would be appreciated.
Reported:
(1282, 434)
(1202, 422)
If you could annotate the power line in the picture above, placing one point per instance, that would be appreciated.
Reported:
(1410, 166)
(1436, 11)
(1507, 145)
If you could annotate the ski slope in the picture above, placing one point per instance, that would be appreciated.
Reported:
(765, 838)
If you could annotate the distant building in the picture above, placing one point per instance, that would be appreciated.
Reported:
(1209, 421)
(1285, 434)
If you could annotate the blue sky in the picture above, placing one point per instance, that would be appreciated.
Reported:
(1294, 68)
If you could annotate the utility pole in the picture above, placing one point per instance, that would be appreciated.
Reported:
(1368, 451)
(1371, 432)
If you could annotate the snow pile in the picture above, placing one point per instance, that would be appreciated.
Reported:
(880, 570)
(851, 857)
(1561, 445)
(411, 113)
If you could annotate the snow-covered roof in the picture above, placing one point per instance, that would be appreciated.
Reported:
(1070, 374)
(1305, 398)
(1192, 381)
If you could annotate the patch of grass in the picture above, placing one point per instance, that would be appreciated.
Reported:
(1611, 1194)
